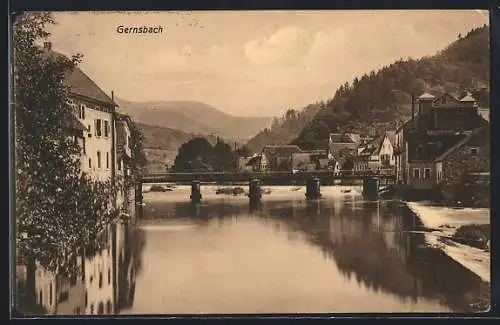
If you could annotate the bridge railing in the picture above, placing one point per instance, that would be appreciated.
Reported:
(247, 174)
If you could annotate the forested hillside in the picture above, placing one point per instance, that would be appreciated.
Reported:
(284, 129)
(379, 100)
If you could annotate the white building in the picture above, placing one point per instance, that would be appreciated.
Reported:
(377, 154)
(105, 140)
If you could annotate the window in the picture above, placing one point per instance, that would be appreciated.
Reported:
(98, 131)
(416, 173)
(81, 114)
(63, 296)
(109, 307)
(86, 298)
(106, 128)
(90, 162)
(91, 309)
(107, 159)
(119, 164)
(40, 298)
(427, 173)
(50, 295)
(83, 146)
(473, 151)
(77, 310)
(419, 152)
(100, 280)
(98, 159)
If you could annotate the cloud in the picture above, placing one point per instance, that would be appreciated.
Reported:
(285, 46)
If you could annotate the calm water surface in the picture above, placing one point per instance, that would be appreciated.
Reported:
(288, 255)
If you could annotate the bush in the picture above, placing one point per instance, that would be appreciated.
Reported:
(473, 235)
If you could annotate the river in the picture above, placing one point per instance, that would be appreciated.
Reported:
(339, 254)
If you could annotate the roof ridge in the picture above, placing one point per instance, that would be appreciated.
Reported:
(459, 143)
(77, 89)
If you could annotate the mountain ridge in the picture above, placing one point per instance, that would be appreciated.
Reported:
(193, 116)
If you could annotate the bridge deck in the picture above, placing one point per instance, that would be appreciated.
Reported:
(284, 176)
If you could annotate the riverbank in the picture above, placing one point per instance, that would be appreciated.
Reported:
(443, 223)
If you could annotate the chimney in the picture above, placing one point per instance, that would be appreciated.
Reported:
(47, 46)
(413, 111)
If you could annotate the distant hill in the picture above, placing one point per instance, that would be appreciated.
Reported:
(377, 101)
(284, 129)
(193, 117)
(161, 144)
(157, 137)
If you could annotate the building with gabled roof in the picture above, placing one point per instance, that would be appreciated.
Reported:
(96, 111)
(277, 157)
(439, 124)
(463, 170)
(98, 128)
(377, 154)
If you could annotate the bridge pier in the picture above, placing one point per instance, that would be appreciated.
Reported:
(370, 188)
(313, 188)
(195, 191)
(254, 192)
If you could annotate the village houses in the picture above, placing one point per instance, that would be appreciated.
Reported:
(105, 138)
(277, 157)
(376, 155)
(444, 129)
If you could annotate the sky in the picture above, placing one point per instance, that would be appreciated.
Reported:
(250, 63)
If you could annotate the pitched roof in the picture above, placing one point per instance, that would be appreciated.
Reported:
(80, 83)
(484, 113)
(126, 118)
(345, 138)
(468, 98)
(459, 144)
(280, 150)
(426, 96)
(392, 137)
(253, 160)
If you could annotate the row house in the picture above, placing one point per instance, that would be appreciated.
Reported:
(253, 164)
(377, 154)
(277, 157)
(105, 140)
(340, 146)
(421, 143)
(244, 164)
(310, 160)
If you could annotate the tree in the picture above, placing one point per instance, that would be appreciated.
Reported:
(222, 158)
(243, 152)
(59, 210)
(195, 149)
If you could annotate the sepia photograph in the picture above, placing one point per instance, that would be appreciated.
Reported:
(250, 162)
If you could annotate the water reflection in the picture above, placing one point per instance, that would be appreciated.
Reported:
(226, 255)
(372, 245)
(105, 283)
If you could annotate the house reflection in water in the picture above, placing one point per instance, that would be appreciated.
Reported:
(105, 284)
(375, 239)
